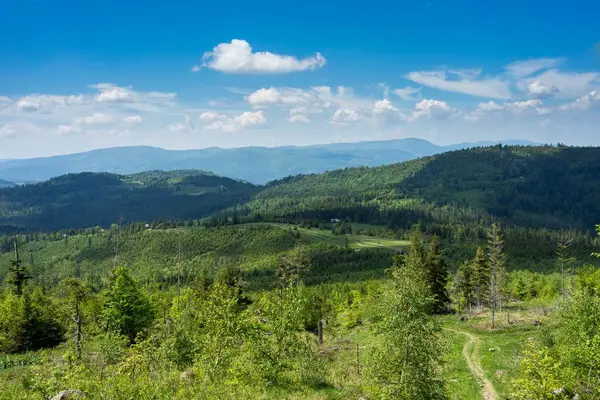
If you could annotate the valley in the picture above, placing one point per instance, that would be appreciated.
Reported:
(155, 264)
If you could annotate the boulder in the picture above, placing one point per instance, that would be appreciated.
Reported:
(188, 376)
(69, 395)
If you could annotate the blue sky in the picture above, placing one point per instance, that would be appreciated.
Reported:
(185, 74)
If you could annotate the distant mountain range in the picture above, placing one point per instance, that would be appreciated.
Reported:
(253, 164)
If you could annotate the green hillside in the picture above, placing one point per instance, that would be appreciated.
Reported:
(547, 186)
(90, 199)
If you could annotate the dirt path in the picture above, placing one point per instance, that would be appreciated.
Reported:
(488, 391)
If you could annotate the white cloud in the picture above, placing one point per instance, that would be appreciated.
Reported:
(466, 73)
(489, 106)
(179, 127)
(7, 131)
(521, 69)
(196, 68)
(251, 118)
(95, 119)
(583, 103)
(298, 115)
(113, 93)
(28, 105)
(490, 87)
(429, 108)
(4, 101)
(133, 119)
(68, 129)
(345, 116)
(282, 96)
(299, 119)
(385, 108)
(407, 93)
(212, 116)
(568, 85)
(519, 107)
(539, 90)
(237, 57)
(225, 123)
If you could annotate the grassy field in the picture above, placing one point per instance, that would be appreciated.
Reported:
(354, 241)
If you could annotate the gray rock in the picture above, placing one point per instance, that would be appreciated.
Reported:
(188, 376)
(69, 395)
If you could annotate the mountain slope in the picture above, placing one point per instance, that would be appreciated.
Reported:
(4, 183)
(254, 164)
(536, 186)
(89, 199)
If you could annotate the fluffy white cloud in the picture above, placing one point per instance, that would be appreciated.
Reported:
(568, 85)
(490, 87)
(212, 116)
(584, 103)
(113, 93)
(251, 118)
(298, 115)
(133, 119)
(226, 123)
(429, 108)
(407, 93)
(539, 90)
(345, 116)
(28, 105)
(489, 106)
(385, 108)
(521, 69)
(282, 96)
(237, 57)
(95, 119)
(483, 109)
(519, 107)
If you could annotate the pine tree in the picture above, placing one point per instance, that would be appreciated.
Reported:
(564, 260)
(437, 276)
(497, 260)
(481, 278)
(126, 310)
(404, 362)
(465, 285)
(19, 274)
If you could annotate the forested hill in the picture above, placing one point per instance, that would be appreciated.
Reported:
(90, 199)
(4, 183)
(534, 186)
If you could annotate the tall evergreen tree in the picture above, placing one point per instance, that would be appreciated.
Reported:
(126, 310)
(405, 361)
(18, 273)
(437, 276)
(564, 260)
(481, 278)
(465, 285)
(497, 260)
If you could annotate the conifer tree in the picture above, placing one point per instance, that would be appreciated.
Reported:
(497, 260)
(405, 360)
(437, 276)
(481, 278)
(19, 274)
(465, 285)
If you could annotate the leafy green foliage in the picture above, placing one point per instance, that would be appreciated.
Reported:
(29, 322)
(405, 361)
(126, 310)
